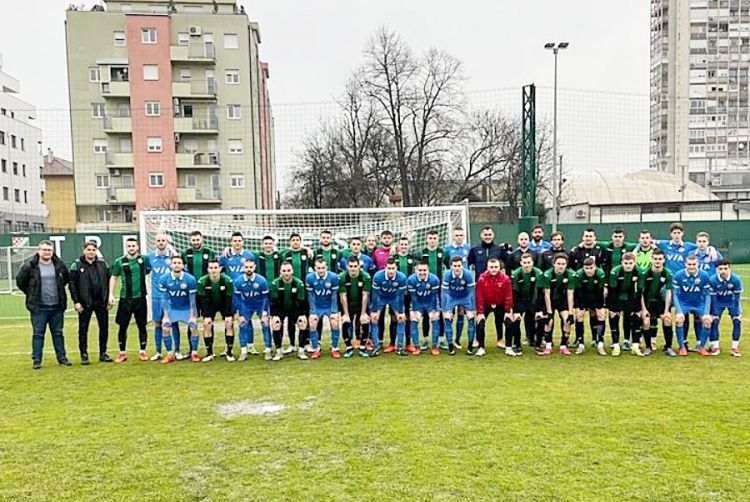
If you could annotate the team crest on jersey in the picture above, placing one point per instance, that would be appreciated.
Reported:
(533, 279)
(256, 285)
(730, 286)
(662, 279)
(634, 279)
(360, 284)
(697, 280)
(205, 256)
(328, 284)
(394, 284)
(243, 260)
(294, 290)
(139, 261)
(462, 282)
(222, 288)
(409, 261)
(564, 281)
(183, 285)
(303, 257)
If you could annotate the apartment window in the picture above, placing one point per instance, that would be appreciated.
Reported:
(148, 35)
(100, 146)
(150, 72)
(6, 193)
(235, 146)
(103, 214)
(119, 73)
(234, 112)
(102, 180)
(23, 145)
(237, 181)
(126, 145)
(154, 144)
(15, 168)
(126, 181)
(23, 170)
(2, 138)
(119, 37)
(183, 39)
(191, 181)
(156, 179)
(41, 173)
(153, 109)
(231, 41)
(185, 75)
(123, 109)
(232, 77)
(17, 194)
(13, 141)
(4, 165)
(97, 110)
(25, 197)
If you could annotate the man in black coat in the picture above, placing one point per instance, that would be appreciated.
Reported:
(43, 279)
(89, 290)
(479, 255)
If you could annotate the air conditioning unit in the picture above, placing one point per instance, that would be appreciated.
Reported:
(176, 137)
(115, 172)
(716, 180)
(195, 31)
(581, 213)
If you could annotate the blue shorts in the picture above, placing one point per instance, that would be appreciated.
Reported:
(321, 313)
(717, 309)
(425, 309)
(176, 316)
(693, 309)
(466, 303)
(378, 306)
(157, 313)
(248, 314)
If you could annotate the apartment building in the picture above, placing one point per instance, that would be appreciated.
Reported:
(22, 206)
(700, 106)
(169, 109)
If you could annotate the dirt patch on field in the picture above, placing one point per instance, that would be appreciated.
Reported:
(231, 410)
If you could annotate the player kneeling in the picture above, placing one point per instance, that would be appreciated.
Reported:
(215, 297)
(458, 291)
(322, 294)
(388, 290)
(288, 302)
(494, 295)
(726, 289)
(424, 290)
(589, 297)
(178, 291)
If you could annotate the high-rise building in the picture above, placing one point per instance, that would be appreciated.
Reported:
(22, 206)
(700, 105)
(169, 109)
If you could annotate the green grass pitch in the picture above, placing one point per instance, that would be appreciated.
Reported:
(403, 429)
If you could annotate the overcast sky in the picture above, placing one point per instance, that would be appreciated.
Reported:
(311, 45)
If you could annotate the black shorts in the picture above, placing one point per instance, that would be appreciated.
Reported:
(656, 308)
(559, 305)
(521, 307)
(135, 307)
(209, 312)
(292, 315)
(589, 303)
(617, 305)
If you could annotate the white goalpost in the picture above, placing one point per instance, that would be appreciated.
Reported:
(217, 226)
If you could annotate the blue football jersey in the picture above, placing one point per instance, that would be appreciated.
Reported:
(364, 261)
(425, 295)
(693, 291)
(675, 254)
(726, 293)
(705, 262)
(250, 294)
(322, 292)
(161, 265)
(234, 263)
(452, 250)
(388, 288)
(178, 291)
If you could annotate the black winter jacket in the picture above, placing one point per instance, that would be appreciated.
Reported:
(89, 282)
(29, 280)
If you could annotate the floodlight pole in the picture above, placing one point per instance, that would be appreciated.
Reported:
(555, 48)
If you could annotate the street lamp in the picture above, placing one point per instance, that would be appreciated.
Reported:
(555, 48)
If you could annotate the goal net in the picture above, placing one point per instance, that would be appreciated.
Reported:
(11, 259)
(217, 226)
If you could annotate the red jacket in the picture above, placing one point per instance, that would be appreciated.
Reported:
(494, 290)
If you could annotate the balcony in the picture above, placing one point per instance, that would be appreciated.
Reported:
(193, 53)
(117, 125)
(190, 195)
(197, 125)
(195, 89)
(116, 89)
(120, 195)
(205, 160)
(118, 159)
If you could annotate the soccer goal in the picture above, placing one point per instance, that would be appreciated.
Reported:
(217, 226)
(11, 259)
